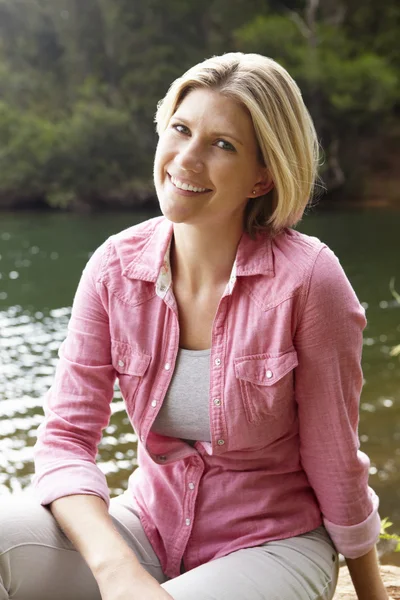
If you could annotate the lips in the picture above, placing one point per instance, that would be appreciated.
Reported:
(186, 182)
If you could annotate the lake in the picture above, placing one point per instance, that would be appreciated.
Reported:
(41, 258)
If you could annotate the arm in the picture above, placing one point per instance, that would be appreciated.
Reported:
(86, 522)
(328, 383)
(77, 409)
(364, 572)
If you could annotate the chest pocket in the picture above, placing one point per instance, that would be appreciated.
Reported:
(266, 384)
(130, 365)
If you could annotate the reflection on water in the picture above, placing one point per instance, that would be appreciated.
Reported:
(28, 355)
(41, 258)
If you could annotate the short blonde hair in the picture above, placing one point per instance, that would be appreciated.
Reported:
(284, 130)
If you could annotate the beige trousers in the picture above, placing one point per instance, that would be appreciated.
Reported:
(37, 562)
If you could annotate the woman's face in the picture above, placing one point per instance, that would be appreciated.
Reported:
(210, 145)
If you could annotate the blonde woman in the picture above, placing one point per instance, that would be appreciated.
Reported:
(237, 342)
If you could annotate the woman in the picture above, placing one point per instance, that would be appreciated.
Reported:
(236, 341)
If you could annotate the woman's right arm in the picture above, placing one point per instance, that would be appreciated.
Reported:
(77, 409)
(86, 522)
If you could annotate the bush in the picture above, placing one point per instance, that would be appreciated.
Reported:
(94, 152)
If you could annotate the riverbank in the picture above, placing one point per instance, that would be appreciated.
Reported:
(382, 195)
(390, 576)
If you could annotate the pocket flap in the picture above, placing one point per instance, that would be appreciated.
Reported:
(264, 369)
(128, 361)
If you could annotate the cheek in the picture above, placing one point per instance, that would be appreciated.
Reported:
(162, 157)
(236, 180)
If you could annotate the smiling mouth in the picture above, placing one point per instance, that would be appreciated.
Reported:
(187, 187)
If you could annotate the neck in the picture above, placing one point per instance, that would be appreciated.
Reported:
(203, 256)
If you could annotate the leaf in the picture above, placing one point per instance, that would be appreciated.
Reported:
(385, 524)
(395, 294)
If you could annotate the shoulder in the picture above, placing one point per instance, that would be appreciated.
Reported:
(298, 248)
(119, 251)
(307, 255)
(294, 255)
(309, 265)
(325, 285)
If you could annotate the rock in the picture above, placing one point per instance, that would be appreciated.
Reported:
(390, 576)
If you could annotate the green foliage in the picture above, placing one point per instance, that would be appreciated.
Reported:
(352, 85)
(28, 142)
(386, 524)
(89, 154)
(79, 81)
(395, 351)
(98, 150)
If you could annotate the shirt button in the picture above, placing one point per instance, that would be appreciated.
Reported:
(191, 486)
(121, 363)
(162, 288)
(269, 373)
(221, 442)
(187, 521)
(217, 401)
(154, 403)
(162, 458)
(217, 362)
(142, 438)
(167, 366)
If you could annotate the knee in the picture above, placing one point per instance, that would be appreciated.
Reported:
(22, 521)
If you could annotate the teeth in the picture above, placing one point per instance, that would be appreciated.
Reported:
(185, 186)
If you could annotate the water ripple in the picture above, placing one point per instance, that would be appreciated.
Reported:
(29, 345)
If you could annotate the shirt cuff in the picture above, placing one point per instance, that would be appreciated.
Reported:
(67, 479)
(354, 541)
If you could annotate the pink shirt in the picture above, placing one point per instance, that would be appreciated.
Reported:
(285, 382)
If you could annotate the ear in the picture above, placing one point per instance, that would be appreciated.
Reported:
(263, 185)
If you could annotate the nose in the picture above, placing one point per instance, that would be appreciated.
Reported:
(188, 158)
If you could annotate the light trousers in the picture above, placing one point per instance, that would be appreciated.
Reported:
(38, 562)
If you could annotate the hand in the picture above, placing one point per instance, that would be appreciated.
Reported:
(127, 582)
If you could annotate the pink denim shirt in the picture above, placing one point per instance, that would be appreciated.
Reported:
(285, 382)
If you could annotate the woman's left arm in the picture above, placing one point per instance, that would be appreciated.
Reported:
(366, 577)
(328, 383)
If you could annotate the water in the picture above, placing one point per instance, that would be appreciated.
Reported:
(41, 259)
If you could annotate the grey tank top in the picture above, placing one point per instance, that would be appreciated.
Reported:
(184, 413)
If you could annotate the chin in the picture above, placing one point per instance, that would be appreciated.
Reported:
(176, 214)
(176, 211)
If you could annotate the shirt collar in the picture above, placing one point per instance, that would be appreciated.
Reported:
(151, 263)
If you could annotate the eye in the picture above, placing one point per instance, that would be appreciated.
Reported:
(180, 128)
(226, 146)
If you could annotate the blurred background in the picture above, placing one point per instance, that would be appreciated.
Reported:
(79, 85)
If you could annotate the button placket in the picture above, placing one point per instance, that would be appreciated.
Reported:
(217, 416)
(191, 481)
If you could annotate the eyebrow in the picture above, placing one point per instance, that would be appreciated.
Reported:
(213, 133)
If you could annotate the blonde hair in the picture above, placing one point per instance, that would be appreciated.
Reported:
(284, 130)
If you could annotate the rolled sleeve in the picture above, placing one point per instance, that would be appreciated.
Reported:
(328, 383)
(357, 540)
(77, 407)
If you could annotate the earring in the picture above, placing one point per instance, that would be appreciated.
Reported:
(254, 192)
